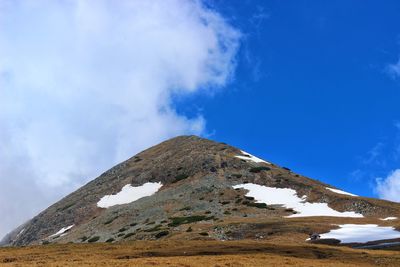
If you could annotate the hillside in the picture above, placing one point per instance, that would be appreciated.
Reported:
(189, 188)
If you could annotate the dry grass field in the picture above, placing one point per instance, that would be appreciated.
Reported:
(195, 253)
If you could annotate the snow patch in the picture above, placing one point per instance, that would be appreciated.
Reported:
(340, 192)
(20, 233)
(129, 194)
(62, 231)
(361, 233)
(249, 157)
(389, 218)
(289, 199)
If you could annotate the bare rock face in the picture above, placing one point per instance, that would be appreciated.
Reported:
(196, 200)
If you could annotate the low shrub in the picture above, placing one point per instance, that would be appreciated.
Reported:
(137, 159)
(259, 169)
(66, 207)
(291, 210)
(180, 177)
(256, 205)
(176, 221)
(128, 235)
(155, 228)
(94, 239)
(110, 220)
(161, 234)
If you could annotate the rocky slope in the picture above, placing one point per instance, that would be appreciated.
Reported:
(193, 188)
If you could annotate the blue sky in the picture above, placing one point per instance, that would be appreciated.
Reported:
(313, 90)
(310, 85)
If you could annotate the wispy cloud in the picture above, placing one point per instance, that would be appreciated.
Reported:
(379, 166)
(374, 155)
(86, 84)
(389, 187)
(394, 70)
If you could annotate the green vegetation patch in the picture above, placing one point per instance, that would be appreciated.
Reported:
(110, 240)
(137, 159)
(94, 239)
(154, 229)
(180, 177)
(128, 235)
(259, 169)
(66, 207)
(161, 234)
(256, 205)
(176, 221)
(110, 220)
(291, 210)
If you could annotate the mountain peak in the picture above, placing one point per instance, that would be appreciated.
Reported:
(189, 187)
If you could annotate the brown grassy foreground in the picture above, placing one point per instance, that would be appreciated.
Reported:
(195, 253)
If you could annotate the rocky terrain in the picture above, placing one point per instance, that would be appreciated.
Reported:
(190, 188)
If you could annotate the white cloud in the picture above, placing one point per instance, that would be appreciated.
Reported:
(394, 70)
(389, 187)
(86, 84)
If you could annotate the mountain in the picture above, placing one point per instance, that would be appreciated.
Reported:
(190, 188)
